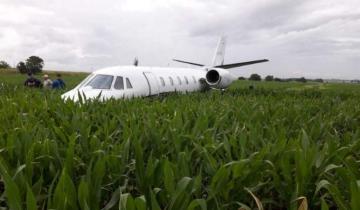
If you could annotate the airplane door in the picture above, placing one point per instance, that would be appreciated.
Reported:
(152, 82)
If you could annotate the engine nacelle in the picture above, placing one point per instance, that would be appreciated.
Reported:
(219, 78)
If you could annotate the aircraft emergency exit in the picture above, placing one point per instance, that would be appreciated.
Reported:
(137, 81)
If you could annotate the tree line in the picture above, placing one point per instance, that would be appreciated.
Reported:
(32, 65)
(35, 64)
(257, 77)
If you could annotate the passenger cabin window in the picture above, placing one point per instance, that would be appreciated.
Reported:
(119, 83)
(162, 81)
(179, 80)
(186, 80)
(101, 81)
(194, 79)
(171, 81)
(128, 84)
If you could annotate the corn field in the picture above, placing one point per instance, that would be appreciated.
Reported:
(265, 148)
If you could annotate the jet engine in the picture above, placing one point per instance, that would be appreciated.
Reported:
(219, 78)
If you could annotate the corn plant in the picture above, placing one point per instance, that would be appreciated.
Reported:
(272, 147)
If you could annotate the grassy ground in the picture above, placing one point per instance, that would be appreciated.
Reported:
(277, 146)
(298, 86)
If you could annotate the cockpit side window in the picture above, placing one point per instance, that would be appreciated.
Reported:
(101, 81)
(85, 81)
(119, 83)
(128, 84)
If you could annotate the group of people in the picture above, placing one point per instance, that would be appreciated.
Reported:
(58, 83)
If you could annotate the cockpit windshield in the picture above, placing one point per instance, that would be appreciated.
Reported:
(82, 83)
(101, 81)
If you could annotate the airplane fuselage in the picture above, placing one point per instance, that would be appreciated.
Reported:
(135, 81)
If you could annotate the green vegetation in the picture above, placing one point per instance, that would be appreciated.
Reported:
(4, 65)
(255, 77)
(269, 78)
(33, 65)
(276, 146)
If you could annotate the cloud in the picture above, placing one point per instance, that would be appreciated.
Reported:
(307, 38)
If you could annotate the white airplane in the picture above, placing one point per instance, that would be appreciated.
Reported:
(136, 81)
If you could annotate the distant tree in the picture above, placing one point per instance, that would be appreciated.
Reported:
(21, 67)
(269, 78)
(4, 65)
(34, 64)
(241, 78)
(319, 80)
(301, 79)
(277, 79)
(255, 77)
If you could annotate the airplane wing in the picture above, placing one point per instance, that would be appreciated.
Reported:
(195, 64)
(234, 65)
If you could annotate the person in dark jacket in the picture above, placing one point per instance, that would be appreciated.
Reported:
(58, 83)
(31, 81)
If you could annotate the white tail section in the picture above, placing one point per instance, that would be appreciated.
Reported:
(218, 59)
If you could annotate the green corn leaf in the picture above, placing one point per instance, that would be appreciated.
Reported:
(154, 202)
(126, 202)
(197, 203)
(65, 194)
(83, 194)
(355, 195)
(324, 205)
(114, 200)
(169, 177)
(30, 200)
(140, 203)
(11, 189)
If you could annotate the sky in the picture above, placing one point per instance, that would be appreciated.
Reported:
(314, 39)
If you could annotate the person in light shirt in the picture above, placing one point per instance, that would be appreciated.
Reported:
(47, 82)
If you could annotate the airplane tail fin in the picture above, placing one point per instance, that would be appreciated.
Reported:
(218, 59)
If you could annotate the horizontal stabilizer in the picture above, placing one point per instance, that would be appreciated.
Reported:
(195, 64)
(234, 65)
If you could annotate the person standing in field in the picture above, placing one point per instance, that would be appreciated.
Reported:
(47, 82)
(58, 83)
(31, 81)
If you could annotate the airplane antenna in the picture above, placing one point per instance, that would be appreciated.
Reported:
(136, 61)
